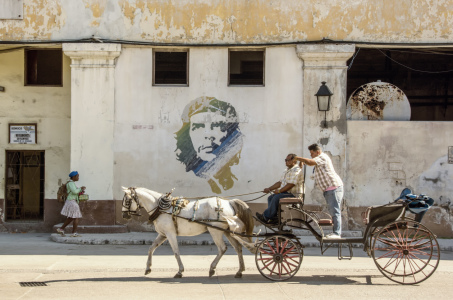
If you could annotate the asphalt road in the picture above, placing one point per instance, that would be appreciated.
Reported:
(72, 271)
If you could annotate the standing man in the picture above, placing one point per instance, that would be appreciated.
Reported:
(289, 186)
(329, 182)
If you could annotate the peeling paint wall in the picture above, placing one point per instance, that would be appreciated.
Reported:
(385, 157)
(235, 21)
(378, 101)
(49, 107)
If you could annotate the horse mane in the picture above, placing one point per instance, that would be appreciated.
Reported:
(244, 214)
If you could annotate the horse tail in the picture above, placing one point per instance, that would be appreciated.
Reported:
(244, 214)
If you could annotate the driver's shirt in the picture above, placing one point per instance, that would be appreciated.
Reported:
(294, 176)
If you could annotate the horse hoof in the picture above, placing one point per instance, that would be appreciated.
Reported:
(211, 272)
(178, 275)
(238, 275)
(147, 272)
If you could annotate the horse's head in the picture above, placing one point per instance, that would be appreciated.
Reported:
(131, 203)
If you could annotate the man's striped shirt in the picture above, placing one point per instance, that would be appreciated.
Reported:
(325, 175)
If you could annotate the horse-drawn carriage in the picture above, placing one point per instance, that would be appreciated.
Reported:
(404, 250)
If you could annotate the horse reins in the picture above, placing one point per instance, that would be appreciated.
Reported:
(225, 197)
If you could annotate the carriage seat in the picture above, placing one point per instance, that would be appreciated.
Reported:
(325, 222)
(290, 201)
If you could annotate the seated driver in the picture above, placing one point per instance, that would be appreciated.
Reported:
(289, 186)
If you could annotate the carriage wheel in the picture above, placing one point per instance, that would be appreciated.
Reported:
(406, 252)
(278, 258)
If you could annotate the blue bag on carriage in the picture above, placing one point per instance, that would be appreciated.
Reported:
(420, 205)
(417, 204)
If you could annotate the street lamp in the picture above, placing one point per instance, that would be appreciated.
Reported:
(323, 96)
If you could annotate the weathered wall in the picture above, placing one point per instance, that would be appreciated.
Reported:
(148, 117)
(234, 21)
(386, 156)
(49, 107)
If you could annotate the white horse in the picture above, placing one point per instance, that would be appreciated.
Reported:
(233, 215)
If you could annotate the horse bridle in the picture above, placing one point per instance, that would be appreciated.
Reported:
(127, 202)
(164, 203)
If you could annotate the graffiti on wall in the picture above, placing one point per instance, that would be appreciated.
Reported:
(209, 142)
(437, 181)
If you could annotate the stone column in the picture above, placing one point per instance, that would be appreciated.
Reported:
(325, 62)
(92, 115)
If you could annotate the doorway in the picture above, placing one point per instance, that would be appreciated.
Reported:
(24, 193)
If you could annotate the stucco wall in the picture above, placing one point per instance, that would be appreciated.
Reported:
(49, 107)
(147, 118)
(386, 156)
(234, 21)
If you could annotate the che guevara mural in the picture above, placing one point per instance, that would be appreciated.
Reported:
(209, 142)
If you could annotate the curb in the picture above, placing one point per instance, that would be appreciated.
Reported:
(200, 240)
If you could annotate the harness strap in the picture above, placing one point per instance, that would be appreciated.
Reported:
(196, 221)
(173, 217)
(195, 208)
(218, 209)
(154, 215)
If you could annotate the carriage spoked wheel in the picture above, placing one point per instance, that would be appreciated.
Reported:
(278, 258)
(406, 252)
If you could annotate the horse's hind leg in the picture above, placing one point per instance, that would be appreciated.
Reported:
(157, 242)
(174, 246)
(238, 247)
(217, 236)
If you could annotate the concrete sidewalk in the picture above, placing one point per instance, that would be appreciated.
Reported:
(147, 238)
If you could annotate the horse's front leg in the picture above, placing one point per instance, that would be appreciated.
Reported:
(174, 246)
(157, 242)
(217, 236)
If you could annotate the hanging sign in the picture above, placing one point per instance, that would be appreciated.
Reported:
(22, 133)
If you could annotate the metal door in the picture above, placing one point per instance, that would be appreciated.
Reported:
(24, 192)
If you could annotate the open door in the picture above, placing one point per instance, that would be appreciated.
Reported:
(24, 185)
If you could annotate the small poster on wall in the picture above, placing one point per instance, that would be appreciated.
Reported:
(22, 133)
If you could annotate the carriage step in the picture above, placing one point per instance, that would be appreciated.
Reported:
(343, 240)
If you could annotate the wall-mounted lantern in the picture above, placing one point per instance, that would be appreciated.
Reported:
(323, 96)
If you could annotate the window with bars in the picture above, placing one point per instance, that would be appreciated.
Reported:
(171, 68)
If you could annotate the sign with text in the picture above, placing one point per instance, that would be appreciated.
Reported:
(22, 133)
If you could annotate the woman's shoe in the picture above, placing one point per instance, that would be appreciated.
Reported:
(75, 234)
(60, 231)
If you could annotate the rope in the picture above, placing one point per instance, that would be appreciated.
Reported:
(223, 197)
(264, 194)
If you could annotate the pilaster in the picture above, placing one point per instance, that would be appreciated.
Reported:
(325, 62)
(92, 115)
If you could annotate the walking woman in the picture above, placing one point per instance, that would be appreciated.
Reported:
(71, 207)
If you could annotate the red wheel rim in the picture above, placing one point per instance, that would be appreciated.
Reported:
(406, 252)
(278, 258)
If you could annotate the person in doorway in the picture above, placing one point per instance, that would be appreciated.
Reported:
(71, 207)
(329, 182)
(289, 186)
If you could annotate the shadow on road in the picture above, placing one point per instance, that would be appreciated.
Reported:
(247, 279)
